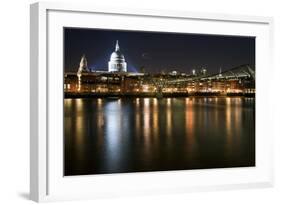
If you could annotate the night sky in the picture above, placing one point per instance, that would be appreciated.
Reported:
(155, 51)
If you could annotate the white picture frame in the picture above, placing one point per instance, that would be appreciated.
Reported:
(47, 182)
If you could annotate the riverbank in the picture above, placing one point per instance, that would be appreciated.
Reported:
(153, 95)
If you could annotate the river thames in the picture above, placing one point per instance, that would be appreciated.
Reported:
(123, 135)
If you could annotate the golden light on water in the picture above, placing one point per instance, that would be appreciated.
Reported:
(137, 101)
(228, 101)
(79, 104)
(147, 129)
(229, 125)
(155, 102)
(169, 101)
(138, 118)
(146, 102)
(189, 124)
(169, 118)
(155, 117)
(68, 102)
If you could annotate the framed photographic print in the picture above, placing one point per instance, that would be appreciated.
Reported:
(127, 102)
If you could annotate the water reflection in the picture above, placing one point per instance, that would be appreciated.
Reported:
(189, 125)
(146, 119)
(149, 134)
(169, 118)
(137, 118)
(113, 134)
(155, 118)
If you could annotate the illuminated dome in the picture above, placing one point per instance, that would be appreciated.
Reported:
(117, 55)
(117, 61)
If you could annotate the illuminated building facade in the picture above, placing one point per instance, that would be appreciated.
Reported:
(118, 82)
(236, 81)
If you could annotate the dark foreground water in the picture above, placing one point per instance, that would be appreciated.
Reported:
(148, 134)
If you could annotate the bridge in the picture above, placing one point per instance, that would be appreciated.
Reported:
(243, 71)
(238, 73)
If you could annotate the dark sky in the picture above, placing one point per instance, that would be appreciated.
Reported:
(157, 51)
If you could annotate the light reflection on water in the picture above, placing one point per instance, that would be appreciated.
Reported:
(148, 134)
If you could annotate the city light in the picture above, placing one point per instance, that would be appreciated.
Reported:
(237, 81)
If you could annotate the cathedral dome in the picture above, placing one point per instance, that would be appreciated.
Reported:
(117, 61)
(117, 55)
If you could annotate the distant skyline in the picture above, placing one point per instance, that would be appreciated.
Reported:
(157, 51)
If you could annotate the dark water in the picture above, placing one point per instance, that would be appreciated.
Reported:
(147, 134)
